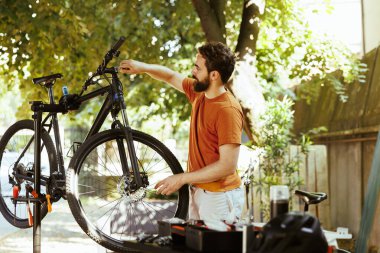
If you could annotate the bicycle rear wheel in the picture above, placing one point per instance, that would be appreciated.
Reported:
(98, 195)
(17, 164)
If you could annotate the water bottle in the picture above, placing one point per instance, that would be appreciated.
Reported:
(65, 91)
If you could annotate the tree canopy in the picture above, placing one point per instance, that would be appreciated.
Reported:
(270, 37)
(71, 37)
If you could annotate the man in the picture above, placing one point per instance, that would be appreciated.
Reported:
(215, 133)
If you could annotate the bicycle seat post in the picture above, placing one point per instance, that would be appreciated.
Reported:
(49, 86)
(306, 208)
(37, 116)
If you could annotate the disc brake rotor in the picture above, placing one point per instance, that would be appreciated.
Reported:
(124, 189)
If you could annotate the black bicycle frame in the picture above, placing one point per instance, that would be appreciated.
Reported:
(114, 104)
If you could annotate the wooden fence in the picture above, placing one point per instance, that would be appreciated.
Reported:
(341, 170)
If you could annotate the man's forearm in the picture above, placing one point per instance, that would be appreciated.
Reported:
(158, 72)
(225, 166)
(210, 173)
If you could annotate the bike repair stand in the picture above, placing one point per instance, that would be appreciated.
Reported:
(37, 117)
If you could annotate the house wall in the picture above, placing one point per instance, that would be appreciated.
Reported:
(371, 19)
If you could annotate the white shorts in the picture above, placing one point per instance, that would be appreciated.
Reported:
(206, 205)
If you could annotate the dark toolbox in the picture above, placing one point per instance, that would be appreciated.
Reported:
(206, 240)
(176, 230)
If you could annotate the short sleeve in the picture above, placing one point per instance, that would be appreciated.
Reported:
(187, 85)
(229, 126)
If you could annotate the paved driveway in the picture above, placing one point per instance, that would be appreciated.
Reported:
(60, 234)
(5, 227)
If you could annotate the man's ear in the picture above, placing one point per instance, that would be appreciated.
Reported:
(214, 75)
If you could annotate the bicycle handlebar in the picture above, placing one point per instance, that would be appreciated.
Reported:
(118, 44)
(113, 52)
(110, 54)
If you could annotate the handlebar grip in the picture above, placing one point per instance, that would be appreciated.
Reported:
(118, 44)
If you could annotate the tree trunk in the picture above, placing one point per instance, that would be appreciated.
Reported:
(249, 30)
(243, 84)
(212, 18)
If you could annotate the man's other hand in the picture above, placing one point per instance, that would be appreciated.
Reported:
(170, 184)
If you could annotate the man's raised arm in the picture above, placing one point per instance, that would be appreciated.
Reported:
(156, 71)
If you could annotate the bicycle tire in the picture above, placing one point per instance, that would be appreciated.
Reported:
(81, 192)
(8, 148)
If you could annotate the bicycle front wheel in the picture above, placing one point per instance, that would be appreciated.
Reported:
(100, 195)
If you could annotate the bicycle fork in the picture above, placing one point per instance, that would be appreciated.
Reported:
(131, 151)
(132, 155)
(118, 96)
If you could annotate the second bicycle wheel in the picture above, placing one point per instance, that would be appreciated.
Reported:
(17, 168)
(101, 197)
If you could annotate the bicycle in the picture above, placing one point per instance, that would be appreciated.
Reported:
(110, 177)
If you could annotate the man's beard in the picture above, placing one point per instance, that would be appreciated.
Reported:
(201, 86)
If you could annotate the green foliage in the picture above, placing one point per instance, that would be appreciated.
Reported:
(289, 53)
(40, 38)
(72, 36)
(280, 162)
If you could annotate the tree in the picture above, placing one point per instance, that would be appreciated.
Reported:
(273, 44)
(244, 85)
(71, 37)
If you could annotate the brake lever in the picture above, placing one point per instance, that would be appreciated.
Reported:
(102, 68)
(108, 57)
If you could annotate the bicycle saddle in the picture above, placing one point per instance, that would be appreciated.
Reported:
(311, 197)
(47, 79)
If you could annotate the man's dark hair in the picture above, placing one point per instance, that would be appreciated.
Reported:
(218, 57)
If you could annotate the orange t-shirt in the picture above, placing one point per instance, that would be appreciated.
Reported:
(214, 122)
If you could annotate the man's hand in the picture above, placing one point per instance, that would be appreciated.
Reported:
(170, 184)
(131, 67)
(158, 72)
